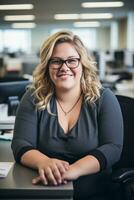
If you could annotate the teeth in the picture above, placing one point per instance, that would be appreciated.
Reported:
(65, 75)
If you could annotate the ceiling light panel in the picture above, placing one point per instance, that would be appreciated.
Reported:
(66, 16)
(102, 4)
(19, 17)
(83, 16)
(17, 7)
(96, 16)
(23, 25)
(87, 24)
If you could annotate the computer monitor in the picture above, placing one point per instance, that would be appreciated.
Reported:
(13, 64)
(119, 57)
(129, 59)
(1, 62)
(2, 67)
(11, 92)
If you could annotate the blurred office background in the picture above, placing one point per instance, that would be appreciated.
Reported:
(107, 30)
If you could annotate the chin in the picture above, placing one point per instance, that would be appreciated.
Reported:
(64, 87)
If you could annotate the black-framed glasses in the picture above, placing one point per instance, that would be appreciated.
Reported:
(56, 63)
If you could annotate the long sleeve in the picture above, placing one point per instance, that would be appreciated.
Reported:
(110, 130)
(25, 131)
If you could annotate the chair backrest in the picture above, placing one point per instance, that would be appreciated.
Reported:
(127, 107)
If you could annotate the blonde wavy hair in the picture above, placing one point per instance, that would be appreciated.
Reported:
(43, 86)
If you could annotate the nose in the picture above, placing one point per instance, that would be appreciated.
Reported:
(64, 67)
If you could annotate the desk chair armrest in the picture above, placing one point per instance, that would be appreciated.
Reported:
(123, 175)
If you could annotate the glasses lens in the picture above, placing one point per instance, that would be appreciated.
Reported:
(55, 63)
(72, 62)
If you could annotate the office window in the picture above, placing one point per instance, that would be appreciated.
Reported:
(14, 40)
(88, 36)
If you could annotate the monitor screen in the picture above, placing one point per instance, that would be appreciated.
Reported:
(11, 93)
(13, 64)
(129, 59)
(1, 62)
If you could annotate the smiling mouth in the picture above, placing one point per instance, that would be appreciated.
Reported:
(60, 75)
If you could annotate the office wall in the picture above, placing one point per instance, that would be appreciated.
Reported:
(103, 38)
(38, 35)
(42, 31)
(122, 34)
(130, 31)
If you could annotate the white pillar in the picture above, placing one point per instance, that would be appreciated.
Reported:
(102, 65)
(130, 31)
(114, 35)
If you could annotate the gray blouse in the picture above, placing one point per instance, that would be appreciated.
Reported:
(98, 131)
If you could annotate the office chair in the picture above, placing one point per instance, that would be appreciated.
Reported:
(123, 171)
(123, 75)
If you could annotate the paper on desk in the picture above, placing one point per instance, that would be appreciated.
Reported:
(7, 120)
(5, 168)
(7, 136)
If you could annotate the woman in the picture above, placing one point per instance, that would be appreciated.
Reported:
(68, 126)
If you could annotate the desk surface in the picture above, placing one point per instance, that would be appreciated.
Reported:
(6, 123)
(18, 182)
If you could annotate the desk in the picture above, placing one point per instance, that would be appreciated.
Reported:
(125, 88)
(6, 122)
(4, 126)
(17, 185)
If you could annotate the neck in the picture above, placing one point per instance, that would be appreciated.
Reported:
(68, 96)
(69, 104)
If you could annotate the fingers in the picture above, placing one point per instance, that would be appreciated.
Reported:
(51, 176)
(43, 177)
(36, 180)
(55, 170)
(57, 174)
(40, 178)
(62, 168)
(66, 165)
(52, 172)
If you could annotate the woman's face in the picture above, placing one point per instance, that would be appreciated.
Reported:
(65, 76)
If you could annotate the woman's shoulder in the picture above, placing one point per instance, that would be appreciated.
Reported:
(106, 93)
(106, 97)
(29, 96)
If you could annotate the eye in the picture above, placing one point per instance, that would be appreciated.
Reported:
(55, 62)
(72, 60)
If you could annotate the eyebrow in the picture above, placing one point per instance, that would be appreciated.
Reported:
(66, 58)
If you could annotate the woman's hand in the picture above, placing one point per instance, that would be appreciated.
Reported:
(72, 173)
(85, 166)
(54, 171)
(51, 172)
